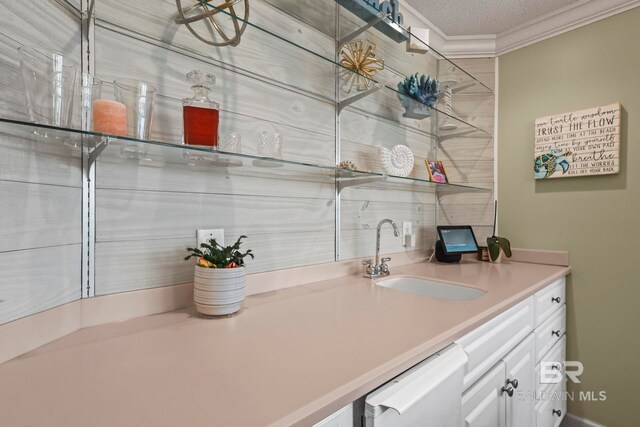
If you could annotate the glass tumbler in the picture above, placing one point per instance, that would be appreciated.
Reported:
(270, 145)
(138, 97)
(50, 81)
(231, 143)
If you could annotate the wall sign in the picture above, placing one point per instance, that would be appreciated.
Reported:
(580, 143)
(368, 10)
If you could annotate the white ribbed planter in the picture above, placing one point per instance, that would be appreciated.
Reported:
(219, 291)
(499, 259)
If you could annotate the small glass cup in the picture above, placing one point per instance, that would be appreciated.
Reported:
(270, 145)
(231, 143)
(50, 81)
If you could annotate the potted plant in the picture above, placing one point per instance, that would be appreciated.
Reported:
(497, 245)
(220, 277)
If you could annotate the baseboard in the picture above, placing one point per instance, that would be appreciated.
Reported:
(571, 420)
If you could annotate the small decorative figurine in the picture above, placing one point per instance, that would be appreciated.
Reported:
(360, 65)
(397, 161)
(418, 95)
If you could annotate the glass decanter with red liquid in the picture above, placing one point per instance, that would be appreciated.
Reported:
(201, 115)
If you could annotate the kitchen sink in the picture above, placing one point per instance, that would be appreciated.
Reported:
(430, 288)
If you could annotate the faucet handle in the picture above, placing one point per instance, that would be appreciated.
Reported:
(369, 264)
(384, 268)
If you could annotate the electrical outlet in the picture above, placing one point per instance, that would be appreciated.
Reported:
(203, 236)
(407, 228)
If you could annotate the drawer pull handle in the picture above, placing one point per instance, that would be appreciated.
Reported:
(508, 390)
(556, 367)
(514, 383)
(557, 412)
(556, 333)
(556, 299)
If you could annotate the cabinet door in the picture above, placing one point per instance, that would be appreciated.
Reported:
(483, 404)
(341, 418)
(520, 371)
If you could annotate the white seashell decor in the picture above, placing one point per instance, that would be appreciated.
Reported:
(397, 161)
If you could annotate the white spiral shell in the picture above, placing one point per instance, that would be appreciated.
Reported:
(397, 161)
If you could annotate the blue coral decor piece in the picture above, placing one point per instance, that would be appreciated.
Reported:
(418, 95)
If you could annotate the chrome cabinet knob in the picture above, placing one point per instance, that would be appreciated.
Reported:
(556, 299)
(556, 333)
(508, 390)
(513, 382)
(557, 412)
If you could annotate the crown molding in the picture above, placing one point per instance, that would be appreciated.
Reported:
(565, 19)
(560, 21)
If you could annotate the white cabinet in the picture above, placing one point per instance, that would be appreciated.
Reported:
(520, 377)
(499, 399)
(497, 380)
(502, 377)
(483, 404)
(490, 342)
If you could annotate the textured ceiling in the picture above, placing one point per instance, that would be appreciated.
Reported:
(479, 17)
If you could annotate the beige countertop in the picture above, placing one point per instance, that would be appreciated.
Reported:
(289, 357)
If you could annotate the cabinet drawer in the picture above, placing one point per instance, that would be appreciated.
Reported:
(551, 407)
(493, 340)
(550, 332)
(549, 300)
(557, 355)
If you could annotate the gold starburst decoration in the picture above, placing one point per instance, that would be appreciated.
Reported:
(360, 65)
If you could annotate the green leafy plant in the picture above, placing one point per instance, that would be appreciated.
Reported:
(213, 255)
(495, 243)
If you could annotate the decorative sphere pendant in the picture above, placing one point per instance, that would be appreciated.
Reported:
(206, 18)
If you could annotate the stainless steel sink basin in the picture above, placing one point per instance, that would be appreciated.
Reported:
(430, 288)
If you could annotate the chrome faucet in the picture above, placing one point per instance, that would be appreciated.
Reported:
(380, 268)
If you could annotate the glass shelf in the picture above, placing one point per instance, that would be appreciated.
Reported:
(321, 13)
(163, 153)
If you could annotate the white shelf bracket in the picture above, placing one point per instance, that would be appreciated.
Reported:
(343, 104)
(100, 147)
(346, 39)
(462, 87)
(360, 180)
(457, 134)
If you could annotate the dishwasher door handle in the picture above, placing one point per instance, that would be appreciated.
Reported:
(419, 382)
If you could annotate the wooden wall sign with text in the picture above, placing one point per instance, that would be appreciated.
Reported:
(580, 143)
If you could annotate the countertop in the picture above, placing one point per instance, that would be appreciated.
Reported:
(289, 357)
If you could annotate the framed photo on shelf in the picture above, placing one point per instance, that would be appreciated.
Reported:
(436, 171)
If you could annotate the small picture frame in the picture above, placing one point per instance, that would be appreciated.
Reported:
(436, 171)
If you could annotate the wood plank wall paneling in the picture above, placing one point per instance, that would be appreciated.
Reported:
(38, 279)
(289, 223)
(40, 180)
(148, 208)
(469, 160)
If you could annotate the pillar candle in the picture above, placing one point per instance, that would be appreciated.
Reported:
(109, 117)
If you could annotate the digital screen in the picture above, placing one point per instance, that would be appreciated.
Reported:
(457, 240)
